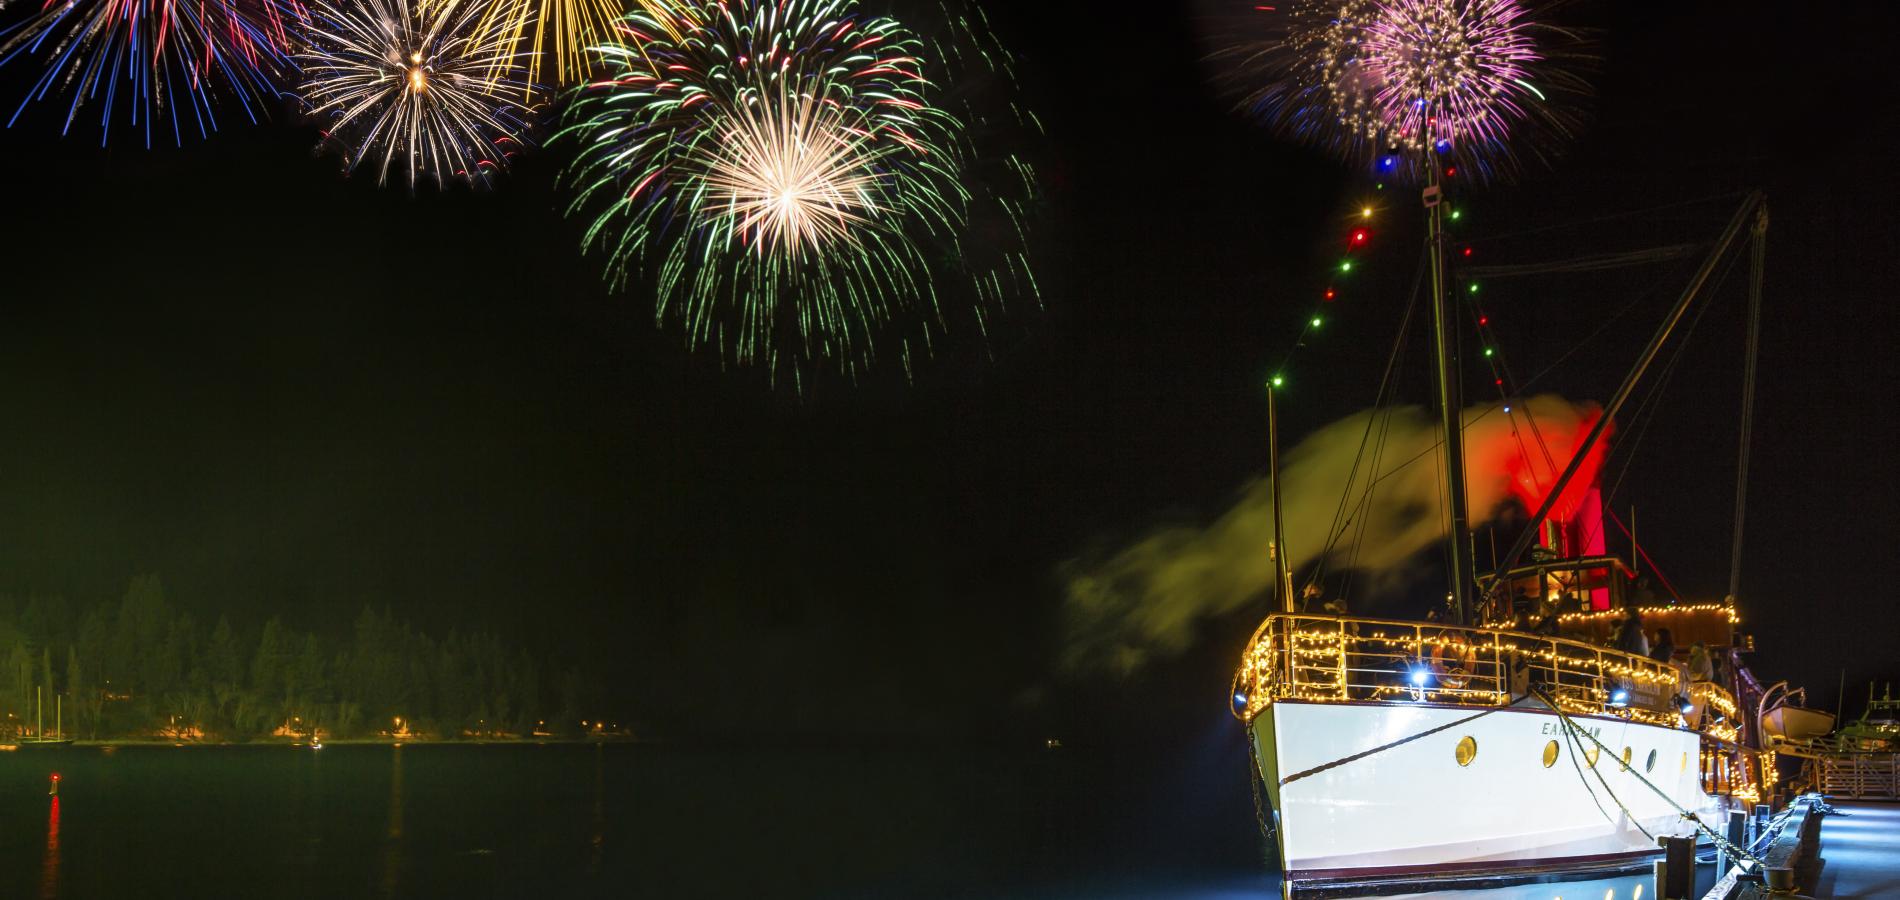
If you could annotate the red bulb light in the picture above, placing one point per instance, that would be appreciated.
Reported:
(1451, 172)
(1359, 237)
(1484, 320)
(1330, 294)
(1467, 251)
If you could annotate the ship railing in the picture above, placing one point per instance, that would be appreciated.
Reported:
(1351, 659)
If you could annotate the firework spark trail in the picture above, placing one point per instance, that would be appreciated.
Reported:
(779, 172)
(438, 85)
(1366, 78)
(158, 53)
(563, 31)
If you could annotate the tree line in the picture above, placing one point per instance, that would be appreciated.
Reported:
(141, 668)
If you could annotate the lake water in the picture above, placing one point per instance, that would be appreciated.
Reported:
(508, 821)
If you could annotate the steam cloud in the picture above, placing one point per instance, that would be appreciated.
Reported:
(1145, 600)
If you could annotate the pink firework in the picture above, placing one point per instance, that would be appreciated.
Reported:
(1411, 85)
(1449, 72)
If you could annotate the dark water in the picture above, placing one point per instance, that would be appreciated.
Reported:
(633, 821)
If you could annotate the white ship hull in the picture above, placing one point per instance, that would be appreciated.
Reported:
(1413, 812)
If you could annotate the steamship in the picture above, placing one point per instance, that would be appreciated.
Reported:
(1509, 739)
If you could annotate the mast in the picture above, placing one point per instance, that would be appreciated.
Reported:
(1282, 573)
(1450, 405)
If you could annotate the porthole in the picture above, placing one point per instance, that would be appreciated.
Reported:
(1649, 765)
(1590, 755)
(1550, 754)
(1626, 760)
(1467, 750)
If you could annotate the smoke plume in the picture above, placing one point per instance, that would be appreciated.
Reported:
(1146, 599)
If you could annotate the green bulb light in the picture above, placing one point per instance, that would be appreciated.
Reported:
(1277, 381)
(1455, 214)
(1316, 321)
(1346, 266)
(1488, 351)
(1474, 287)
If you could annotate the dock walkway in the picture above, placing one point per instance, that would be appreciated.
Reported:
(1860, 852)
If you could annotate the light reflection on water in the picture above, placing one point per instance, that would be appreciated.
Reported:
(392, 842)
(1627, 887)
(582, 822)
(49, 869)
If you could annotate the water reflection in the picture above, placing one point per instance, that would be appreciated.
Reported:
(598, 840)
(49, 869)
(1626, 887)
(392, 844)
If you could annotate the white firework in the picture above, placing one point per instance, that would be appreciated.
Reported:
(791, 175)
(435, 88)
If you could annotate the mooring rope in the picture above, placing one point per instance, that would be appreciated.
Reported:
(1734, 852)
(1384, 747)
(1255, 779)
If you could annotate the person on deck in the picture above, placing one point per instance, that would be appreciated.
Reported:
(1701, 668)
(1630, 637)
(1665, 648)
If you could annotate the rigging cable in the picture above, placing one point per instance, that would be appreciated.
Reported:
(1649, 213)
(1646, 411)
(1595, 262)
(1387, 384)
(1757, 253)
(1654, 569)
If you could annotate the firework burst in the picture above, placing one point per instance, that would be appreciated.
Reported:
(149, 58)
(781, 175)
(436, 90)
(562, 32)
(1393, 79)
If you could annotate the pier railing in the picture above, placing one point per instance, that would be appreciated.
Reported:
(1348, 659)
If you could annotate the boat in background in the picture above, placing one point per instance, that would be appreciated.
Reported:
(1787, 719)
(1878, 728)
(39, 740)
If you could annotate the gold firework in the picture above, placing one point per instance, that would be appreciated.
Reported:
(566, 31)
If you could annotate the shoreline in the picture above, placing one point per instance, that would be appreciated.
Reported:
(357, 742)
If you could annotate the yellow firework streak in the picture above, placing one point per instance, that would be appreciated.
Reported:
(565, 30)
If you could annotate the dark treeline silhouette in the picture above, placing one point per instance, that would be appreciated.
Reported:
(140, 668)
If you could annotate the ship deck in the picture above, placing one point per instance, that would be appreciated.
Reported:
(1860, 852)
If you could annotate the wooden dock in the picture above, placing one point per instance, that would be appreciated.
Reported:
(1860, 852)
(1850, 853)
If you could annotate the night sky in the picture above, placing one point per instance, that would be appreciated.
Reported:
(290, 393)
